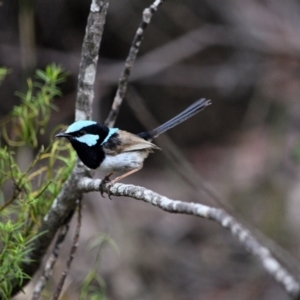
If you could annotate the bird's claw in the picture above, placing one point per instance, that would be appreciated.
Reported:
(108, 185)
(104, 186)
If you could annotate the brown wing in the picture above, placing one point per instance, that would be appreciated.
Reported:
(127, 142)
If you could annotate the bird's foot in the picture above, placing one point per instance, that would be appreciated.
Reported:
(105, 184)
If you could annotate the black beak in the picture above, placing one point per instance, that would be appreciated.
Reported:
(62, 134)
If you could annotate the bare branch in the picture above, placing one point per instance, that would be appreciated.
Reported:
(270, 264)
(89, 59)
(133, 51)
(51, 260)
(72, 253)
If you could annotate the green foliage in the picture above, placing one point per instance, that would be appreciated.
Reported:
(26, 195)
(32, 116)
(3, 73)
(93, 286)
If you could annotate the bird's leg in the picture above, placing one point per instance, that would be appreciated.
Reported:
(123, 176)
(103, 183)
(107, 182)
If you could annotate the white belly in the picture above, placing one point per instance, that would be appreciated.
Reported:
(123, 162)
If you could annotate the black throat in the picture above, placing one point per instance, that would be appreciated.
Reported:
(91, 156)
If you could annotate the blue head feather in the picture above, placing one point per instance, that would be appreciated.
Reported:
(110, 133)
(79, 125)
(89, 139)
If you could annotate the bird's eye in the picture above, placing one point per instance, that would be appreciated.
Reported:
(82, 132)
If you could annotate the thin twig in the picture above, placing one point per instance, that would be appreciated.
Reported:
(47, 272)
(72, 253)
(268, 261)
(133, 51)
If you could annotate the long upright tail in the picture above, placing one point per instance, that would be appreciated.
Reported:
(186, 114)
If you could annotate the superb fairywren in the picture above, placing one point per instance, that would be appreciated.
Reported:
(116, 151)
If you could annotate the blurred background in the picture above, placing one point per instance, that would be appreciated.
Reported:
(245, 147)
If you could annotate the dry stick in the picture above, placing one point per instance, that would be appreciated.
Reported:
(47, 272)
(89, 59)
(72, 253)
(133, 51)
(195, 180)
(66, 199)
(242, 234)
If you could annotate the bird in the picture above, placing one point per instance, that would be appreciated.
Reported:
(115, 151)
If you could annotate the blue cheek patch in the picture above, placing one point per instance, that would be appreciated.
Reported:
(89, 139)
(79, 125)
(110, 133)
